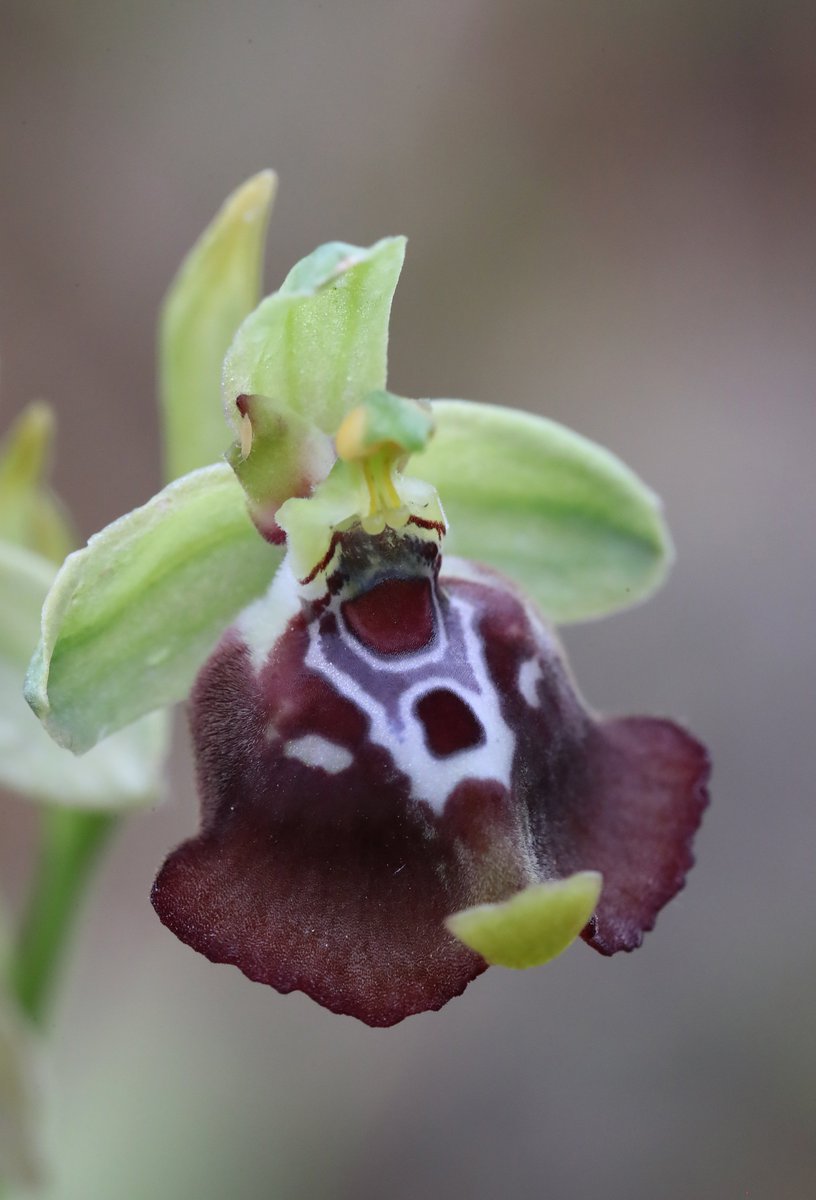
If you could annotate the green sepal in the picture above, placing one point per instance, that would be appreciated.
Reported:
(133, 616)
(124, 772)
(318, 345)
(218, 284)
(533, 926)
(559, 514)
(30, 514)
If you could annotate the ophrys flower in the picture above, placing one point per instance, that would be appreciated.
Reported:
(398, 780)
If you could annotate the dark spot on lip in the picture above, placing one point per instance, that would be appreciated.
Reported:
(394, 617)
(449, 722)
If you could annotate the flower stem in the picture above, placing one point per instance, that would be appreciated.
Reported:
(70, 845)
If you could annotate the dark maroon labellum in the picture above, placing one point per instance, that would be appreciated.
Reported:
(401, 747)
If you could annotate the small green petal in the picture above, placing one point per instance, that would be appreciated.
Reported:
(218, 284)
(280, 455)
(124, 771)
(30, 515)
(318, 346)
(22, 1089)
(533, 926)
(132, 617)
(551, 509)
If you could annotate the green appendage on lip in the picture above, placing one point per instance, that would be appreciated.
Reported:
(532, 927)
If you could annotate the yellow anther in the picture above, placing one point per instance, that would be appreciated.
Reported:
(351, 434)
(246, 436)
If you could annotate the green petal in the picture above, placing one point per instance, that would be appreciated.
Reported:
(217, 285)
(30, 515)
(131, 618)
(124, 771)
(22, 1089)
(281, 454)
(558, 513)
(531, 927)
(318, 345)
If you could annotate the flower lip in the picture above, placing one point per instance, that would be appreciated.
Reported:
(354, 798)
(382, 746)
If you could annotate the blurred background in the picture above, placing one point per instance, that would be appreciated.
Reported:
(612, 220)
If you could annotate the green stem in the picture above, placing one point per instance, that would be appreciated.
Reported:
(71, 841)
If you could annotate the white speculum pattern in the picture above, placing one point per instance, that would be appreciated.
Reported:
(530, 674)
(388, 687)
(313, 750)
(394, 725)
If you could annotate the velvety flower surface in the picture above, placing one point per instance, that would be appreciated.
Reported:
(405, 743)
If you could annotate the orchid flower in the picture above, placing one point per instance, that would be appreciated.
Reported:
(399, 781)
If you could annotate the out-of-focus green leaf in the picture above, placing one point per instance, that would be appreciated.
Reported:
(551, 509)
(123, 772)
(132, 617)
(30, 515)
(52, 532)
(217, 286)
(319, 345)
(25, 578)
(22, 1094)
(531, 927)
